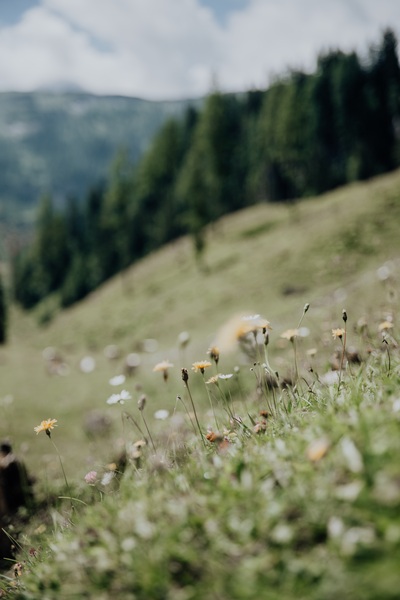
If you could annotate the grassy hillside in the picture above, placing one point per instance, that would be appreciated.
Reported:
(269, 259)
(304, 501)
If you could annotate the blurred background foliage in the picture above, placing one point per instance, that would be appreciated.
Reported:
(306, 134)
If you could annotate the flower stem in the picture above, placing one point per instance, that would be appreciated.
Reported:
(195, 413)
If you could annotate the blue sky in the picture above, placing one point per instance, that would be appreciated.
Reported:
(161, 49)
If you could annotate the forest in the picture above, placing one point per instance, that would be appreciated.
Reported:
(306, 134)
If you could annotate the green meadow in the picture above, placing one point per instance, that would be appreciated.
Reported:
(281, 480)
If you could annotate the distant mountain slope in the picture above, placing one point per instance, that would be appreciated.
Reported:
(62, 143)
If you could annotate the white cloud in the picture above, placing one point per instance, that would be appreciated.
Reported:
(172, 48)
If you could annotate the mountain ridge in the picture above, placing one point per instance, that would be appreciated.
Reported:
(62, 143)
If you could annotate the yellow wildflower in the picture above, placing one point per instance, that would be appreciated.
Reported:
(290, 334)
(163, 367)
(385, 326)
(337, 333)
(200, 366)
(46, 426)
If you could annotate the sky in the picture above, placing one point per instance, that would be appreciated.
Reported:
(173, 49)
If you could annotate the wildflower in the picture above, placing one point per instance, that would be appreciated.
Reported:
(214, 354)
(140, 444)
(338, 333)
(317, 449)
(18, 569)
(201, 365)
(385, 325)
(213, 379)
(236, 329)
(260, 427)
(142, 402)
(183, 338)
(91, 477)
(225, 376)
(185, 375)
(119, 398)
(163, 367)
(214, 437)
(87, 364)
(161, 414)
(290, 334)
(107, 478)
(255, 322)
(46, 426)
(117, 380)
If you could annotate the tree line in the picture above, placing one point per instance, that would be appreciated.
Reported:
(304, 135)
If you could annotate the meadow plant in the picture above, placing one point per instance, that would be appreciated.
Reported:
(301, 486)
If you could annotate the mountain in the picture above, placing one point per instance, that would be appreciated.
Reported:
(61, 143)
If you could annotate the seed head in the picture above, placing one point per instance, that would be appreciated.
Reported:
(141, 402)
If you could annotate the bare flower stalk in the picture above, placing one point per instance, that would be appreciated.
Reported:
(185, 378)
(141, 405)
(343, 340)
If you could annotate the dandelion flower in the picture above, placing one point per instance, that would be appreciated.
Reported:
(290, 334)
(163, 367)
(46, 426)
(337, 333)
(201, 365)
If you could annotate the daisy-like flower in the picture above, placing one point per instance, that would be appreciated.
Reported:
(337, 333)
(119, 398)
(385, 325)
(161, 414)
(213, 379)
(46, 426)
(201, 365)
(117, 380)
(163, 367)
(290, 334)
(225, 376)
